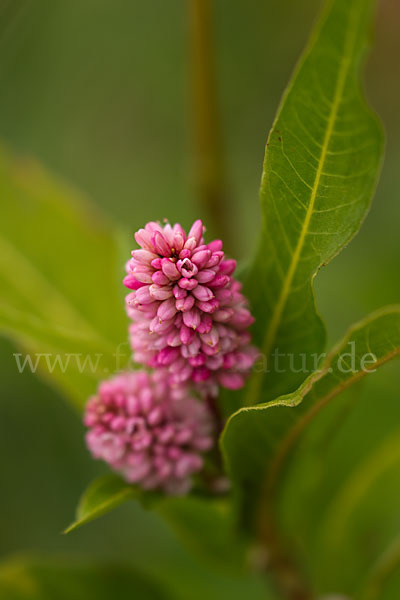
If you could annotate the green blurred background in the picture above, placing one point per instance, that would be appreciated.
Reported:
(100, 92)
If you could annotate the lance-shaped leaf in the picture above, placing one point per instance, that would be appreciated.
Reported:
(257, 440)
(320, 170)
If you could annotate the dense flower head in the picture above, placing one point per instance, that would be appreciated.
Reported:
(188, 313)
(151, 433)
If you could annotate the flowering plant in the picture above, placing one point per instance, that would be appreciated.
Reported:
(219, 411)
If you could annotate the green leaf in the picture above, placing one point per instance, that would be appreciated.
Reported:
(103, 495)
(61, 276)
(257, 441)
(45, 580)
(320, 170)
(205, 525)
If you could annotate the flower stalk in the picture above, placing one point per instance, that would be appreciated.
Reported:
(207, 139)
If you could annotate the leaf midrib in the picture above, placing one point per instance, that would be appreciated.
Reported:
(256, 381)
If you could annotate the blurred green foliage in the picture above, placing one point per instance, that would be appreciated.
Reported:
(100, 93)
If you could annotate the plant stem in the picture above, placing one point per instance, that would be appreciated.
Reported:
(209, 171)
(280, 565)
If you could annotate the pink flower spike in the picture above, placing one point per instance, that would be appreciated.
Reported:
(186, 299)
(162, 446)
